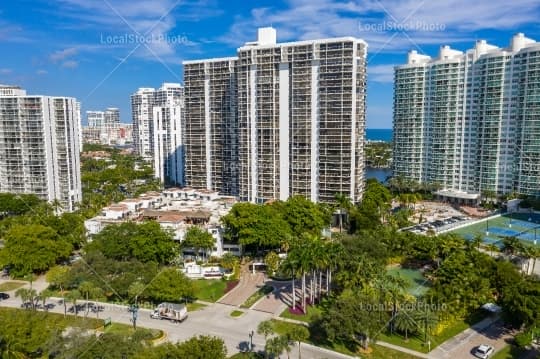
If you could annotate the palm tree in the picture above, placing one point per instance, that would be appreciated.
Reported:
(265, 328)
(290, 266)
(274, 346)
(44, 295)
(428, 320)
(286, 344)
(86, 288)
(492, 247)
(511, 245)
(405, 322)
(27, 295)
(477, 240)
(298, 334)
(73, 296)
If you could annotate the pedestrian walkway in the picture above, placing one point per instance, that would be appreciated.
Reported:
(274, 302)
(405, 350)
(248, 285)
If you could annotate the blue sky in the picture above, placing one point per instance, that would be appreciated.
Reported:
(101, 51)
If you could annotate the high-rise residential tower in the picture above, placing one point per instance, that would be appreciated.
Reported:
(142, 102)
(167, 123)
(292, 113)
(158, 130)
(39, 146)
(470, 122)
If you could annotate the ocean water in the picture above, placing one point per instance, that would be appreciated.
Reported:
(379, 134)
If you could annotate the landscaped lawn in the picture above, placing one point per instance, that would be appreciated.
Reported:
(9, 286)
(246, 356)
(125, 329)
(312, 313)
(511, 352)
(209, 290)
(416, 342)
(256, 296)
(378, 352)
(191, 307)
(236, 313)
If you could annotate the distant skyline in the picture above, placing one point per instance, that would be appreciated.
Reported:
(101, 51)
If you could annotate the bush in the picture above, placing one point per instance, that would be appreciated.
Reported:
(523, 339)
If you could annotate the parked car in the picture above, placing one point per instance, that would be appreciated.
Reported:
(49, 306)
(483, 351)
(27, 305)
(4, 296)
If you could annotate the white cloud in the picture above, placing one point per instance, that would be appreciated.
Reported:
(5, 71)
(427, 22)
(149, 24)
(381, 73)
(61, 55)
(42, 72)
(70, 64)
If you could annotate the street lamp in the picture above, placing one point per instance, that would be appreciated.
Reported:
(487, 228)
(251, 340)
(134, 310)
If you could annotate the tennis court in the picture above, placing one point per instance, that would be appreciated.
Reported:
(524, 226)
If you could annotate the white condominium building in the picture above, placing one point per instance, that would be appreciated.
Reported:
(168, 146)
(142, 102)
(158, 132)
(470, 122)
(40, 146)
(280, 119)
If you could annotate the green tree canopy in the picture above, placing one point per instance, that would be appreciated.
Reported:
(33, 248)
(146, 242)
(170, 285)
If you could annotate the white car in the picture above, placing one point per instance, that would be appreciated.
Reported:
(483, 351)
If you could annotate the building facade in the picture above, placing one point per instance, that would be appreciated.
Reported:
(40, 146)
(158, 130)
(142, 102)
(167, 129)
(280, 119)
(469, 122)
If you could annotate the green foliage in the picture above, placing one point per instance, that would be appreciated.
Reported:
(374, 208)
(304, 216)
(145, 242)
(33, 248)
(170, 285)
(112, 180)
(272, 262)
(523, 339)
(200, 347)
(265, 328)
(17, 204)
(252, 224)
(198, 238)
(355, 318)
(378, 154)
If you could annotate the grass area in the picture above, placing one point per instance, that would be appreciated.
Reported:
(312, 313)
(9, 286)
(124, 329)
(247, 356)
(256, 296)
(191, 307)
(236, 313)
(416, 342)
(55, 320)
(209, 290)
(378, 352)
(416, 283)
(511, 352)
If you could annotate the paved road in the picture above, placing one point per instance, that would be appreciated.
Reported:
(277, 301)
(489, 331)
(248, 285)
(212, 320)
